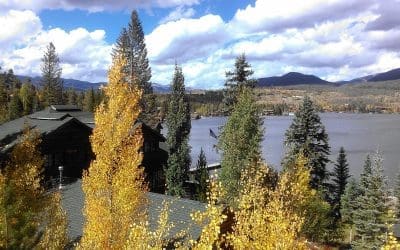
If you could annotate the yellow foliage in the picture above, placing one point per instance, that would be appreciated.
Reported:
(267, 218)
(55, 233)
(26, 208)
(141, 237)
(114, 184)
(210, 220)
(391, 241)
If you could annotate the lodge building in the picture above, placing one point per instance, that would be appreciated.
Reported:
(65, 131)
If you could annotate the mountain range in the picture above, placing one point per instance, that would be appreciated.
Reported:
(291, 78)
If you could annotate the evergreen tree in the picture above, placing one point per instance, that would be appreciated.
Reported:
(371, 216)
(114, 184)
(15, 109)
(349, 204)
(89, 101)
(340, 176)
(240, 142)
(131, 45)
(3, 102)
(202, 177)
(71, 96)
(178, 124)
(51, 77)
(237, 79)
(307, 134)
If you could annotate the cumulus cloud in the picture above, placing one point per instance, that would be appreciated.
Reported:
(336, 39)
(275, 16)
(186, 39)
(92, 6)
(18, 27)
(178, 13)
(83, 54)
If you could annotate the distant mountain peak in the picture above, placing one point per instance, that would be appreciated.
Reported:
(291, 78)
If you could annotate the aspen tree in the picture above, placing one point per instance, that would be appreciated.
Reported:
(114, 185)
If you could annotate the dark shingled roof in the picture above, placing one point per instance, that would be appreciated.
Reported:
(180, 210)
(45, 121)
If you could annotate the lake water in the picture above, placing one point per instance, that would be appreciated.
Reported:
(359, 134)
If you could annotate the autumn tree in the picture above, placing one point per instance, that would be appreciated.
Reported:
(114, 184)
(15, 109)
(30, 216)
(240, 142)
(27, 97)
(237, 79)
(179, 125)
(52, 85)
(307, 134)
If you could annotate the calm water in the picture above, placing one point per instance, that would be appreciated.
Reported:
(359, 134)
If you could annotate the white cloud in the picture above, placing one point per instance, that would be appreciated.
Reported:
(18, 27)
(92, 6)
(83, 54)
(178, 13)
(186, 39)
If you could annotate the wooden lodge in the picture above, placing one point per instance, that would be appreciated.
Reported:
(65, 132)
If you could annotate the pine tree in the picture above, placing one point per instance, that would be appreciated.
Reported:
(307, 134)
(178, 124)
(26, 208)
(114, 183)
(51, 77)
(349, 205)
(240, 142)
(371, 216)
(71, 97)
(15, 109)
(237, 79)
(131, 45)
(202, 177)
(3, 102)
(89, 101)
(340, 176)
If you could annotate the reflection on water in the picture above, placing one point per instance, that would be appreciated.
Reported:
(359, 134)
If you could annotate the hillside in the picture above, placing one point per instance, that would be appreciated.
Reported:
(393, 74)
(292, 78)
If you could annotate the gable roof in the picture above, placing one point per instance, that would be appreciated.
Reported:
(180, 210)
(45, 121)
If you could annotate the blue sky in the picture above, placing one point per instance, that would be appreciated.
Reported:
(336, 40)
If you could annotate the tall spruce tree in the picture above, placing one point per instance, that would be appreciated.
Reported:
(52, 85)
(202, 177)
(131, 45)
(349, 205)
(340, 176)
(179, 125)
(240, 142)
(371, 216)
(237, 79)
(307, 134)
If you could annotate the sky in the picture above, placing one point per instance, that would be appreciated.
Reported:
(333, 39)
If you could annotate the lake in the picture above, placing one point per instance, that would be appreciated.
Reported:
(359, 134)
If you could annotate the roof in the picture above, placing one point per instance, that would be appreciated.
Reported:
(45, 121)
(49, 120)
(73, 202)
